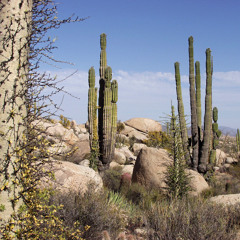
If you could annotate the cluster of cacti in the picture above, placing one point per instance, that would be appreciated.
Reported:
(200, 142)
(216, 135)
(102, 130)
(238, 140)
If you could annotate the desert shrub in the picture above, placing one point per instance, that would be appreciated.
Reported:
(192, 219)
(112, 179)
(120, 126)
(158, 140)
(64, 121)
(142, 196)
(91, 209)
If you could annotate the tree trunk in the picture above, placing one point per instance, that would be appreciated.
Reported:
(15, 30)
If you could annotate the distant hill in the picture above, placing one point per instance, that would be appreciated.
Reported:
(225, 130)
(228, 131)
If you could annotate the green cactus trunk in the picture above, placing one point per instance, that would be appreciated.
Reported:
(204, 155)
(182, 121)
(194, 126)
(114, 87)
(107, 118)
(198, 99)
(91, 102)
(103, 65)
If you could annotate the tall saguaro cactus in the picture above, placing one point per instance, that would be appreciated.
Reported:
(204, 155)
(107, 109)
(182, 121)
(194, 126)
(201, 148)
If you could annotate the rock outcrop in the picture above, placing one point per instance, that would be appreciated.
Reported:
(144, 124)
(73, 177)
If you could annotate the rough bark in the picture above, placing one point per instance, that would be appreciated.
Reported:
(15, 29)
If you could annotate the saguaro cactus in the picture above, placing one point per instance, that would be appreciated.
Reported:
(103, 65)
(103, 143)
(201, 148)
(204, 155)
(182, 121)
(194, 126)
(114, 87)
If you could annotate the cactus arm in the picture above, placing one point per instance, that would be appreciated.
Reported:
(91, 102)
(114, 88)
(194, 127)
(198, 98)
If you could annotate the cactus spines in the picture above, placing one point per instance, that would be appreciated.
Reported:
(194, 126)
(182, 121)
(92, 108)
(208, 115)
(198, 98)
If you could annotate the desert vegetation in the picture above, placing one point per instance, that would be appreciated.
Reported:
(111, 198)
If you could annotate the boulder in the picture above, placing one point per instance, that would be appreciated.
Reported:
(114, 165)
(198, 183)
(230, 199)
(80, 151)
(137, 148)
(144, 124)
(70, 176)
(150, 167)
(128, 154)
(132, 132)
(220, 157)
(119, 157)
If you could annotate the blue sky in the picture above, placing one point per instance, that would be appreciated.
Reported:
(144, 39)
